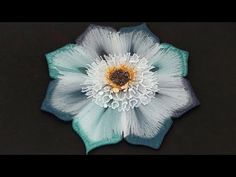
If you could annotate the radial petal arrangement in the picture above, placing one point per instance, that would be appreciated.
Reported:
(116, 85)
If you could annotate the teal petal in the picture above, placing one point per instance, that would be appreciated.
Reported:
(142, 27)
(98, 126)
(70, 58)
(170, 60)
(153, 142)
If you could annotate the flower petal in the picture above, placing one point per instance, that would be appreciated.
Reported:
(100, 41)
(70, 58)
(153, 142)
(144, 121)
(142, 27)
(170, 60)
(140, 40)
(64, 98)
(146, 125)
(98, 126)
(176, 95)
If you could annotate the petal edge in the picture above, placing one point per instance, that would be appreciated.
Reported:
(154, 142)
(142, 27)
(170, 60)
(90, 146)
(69, 58)
(97, 126)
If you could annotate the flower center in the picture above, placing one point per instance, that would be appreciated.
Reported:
(120, 77)
(121, 82)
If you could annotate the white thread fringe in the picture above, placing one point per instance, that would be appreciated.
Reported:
(141, 91)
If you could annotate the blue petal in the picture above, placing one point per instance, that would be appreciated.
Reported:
(177, 96)
(47, 106)
(63, 102)
(170, 60)
(154, 142)
(98, 126)
(142, 27)
(70, 58)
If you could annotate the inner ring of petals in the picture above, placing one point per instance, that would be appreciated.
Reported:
(120, 77)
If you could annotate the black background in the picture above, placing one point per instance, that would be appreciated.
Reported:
(207, 129)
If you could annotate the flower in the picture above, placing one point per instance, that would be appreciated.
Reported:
(114, 85)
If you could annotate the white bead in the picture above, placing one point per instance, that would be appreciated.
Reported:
(100, 93)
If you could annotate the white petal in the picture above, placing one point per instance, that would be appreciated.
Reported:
(175, 96)
(173, 99)
(140, 40)
(99, 41)
(142, 27)
(145, 121)
(153, 142)
(140, 43)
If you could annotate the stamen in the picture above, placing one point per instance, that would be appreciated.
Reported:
(116, 90)
(119, 77)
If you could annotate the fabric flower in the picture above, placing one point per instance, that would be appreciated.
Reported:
(119, 84)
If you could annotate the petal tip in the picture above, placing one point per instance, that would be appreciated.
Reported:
(89, 28)
(154, 142)
(90, 144)
(76, 128)
(141, 27)
(47, 105)
(50, 57)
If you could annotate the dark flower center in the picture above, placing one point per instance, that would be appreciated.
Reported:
(120, 77)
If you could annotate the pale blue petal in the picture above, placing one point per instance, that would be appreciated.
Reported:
(101, 40)
(149, 123)
(98, 126)
(64, 98)
(175, 96)
(142, 27)
(146, 125)
(139, 40)
(153, 142)
(46, 105)
(70, 58)
(192, 102)
(170, 60)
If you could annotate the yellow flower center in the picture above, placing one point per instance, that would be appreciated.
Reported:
(120, 77)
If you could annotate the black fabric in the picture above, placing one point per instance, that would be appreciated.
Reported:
(207, 129)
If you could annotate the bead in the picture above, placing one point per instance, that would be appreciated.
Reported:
(116, 90)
